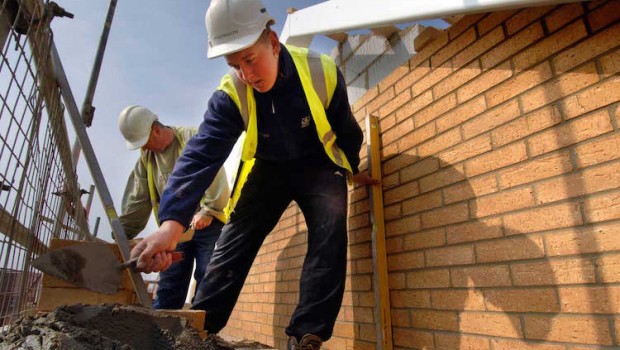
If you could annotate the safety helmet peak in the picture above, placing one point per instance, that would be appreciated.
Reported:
(233, 25)
(135, 123)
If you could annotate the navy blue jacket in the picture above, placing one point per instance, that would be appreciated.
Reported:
(286, 132)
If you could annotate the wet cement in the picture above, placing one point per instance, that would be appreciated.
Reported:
(106, 326)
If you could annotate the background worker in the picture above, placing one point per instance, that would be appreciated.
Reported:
(160, 147)
(304, 142)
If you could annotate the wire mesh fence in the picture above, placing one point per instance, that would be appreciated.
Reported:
(40, 196)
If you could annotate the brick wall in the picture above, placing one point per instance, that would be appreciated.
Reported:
(501, 162)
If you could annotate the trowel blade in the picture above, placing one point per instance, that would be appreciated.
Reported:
(91, 265)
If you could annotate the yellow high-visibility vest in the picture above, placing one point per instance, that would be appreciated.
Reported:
(147, 160)
(318, 77)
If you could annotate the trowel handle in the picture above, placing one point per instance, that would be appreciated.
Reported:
(176, 256)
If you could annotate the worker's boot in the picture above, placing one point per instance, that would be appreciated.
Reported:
(308, 342)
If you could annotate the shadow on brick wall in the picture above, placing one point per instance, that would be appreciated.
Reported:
(476, 281)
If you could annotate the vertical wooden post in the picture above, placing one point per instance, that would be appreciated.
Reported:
(379, 254)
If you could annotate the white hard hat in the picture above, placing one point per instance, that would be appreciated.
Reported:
(234, 25)
(135, 124)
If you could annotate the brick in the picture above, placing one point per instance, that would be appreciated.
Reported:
(522, 300)
(481, 276)
(435, 110)
(467, 149)
(454, 255)
(419, 169)
(497, 159)
(474, 231)
(395, 103)
(397, 281)
(370, 95)
(611, 63)
(553, 272)
(410, 299)
(447, 341)
(439, 143)
(471, 188)
(401, 192)
(417, 137)
(383, 98)
(405, 261)
(457, 299)
(422, 202)
(462, 113)
(598, 300)
(413, 76)
(428, 279)
(585, 182)
(516, 248)
(569, 329)
(396, 163)
(436, 320)
(600, 95)
(584, 239)
(463, 24)
(455, 80)
(493, 20)
(446, 215)
(526, 125)
(525, 17)
(524, 81)
(491, 119)
(570, 133)
(399, 318)
(564, 85)
(503, 344)
(602, 207)
(544, 218)
(586, 50)
(396, 75)
(425, 239)
(598, 151)
(477, 48)
(392, 212)
(422, 56)
(608, 268)
(550, 45)
(604, 15)
(415, 339)
(511, 46)
(425, 37)
(505, 201)
(484, 82)
(414, 105)
(455, 46)
(397, 132)
(404, 225)
(437, 74)
(562, 15)
(537, 169)
(495, 324)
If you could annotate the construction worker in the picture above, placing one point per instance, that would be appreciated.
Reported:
(160, 147)
(303, 142)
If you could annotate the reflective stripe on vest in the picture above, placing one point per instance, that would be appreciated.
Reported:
(318, 78)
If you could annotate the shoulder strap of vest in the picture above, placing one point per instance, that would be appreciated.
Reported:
(238, 92)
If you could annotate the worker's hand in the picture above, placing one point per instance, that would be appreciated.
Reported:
(154, 252)
(363, 178)
(199, 222)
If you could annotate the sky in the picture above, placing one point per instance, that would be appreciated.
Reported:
(156, 56)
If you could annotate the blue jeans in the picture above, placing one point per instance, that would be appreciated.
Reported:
(320, 190)
(174, 282)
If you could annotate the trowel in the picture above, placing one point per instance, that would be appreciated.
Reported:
(90, 265)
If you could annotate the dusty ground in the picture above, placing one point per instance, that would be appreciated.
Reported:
(90, 327)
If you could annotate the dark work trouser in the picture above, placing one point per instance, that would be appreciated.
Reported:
(320, 190)
(174, 282)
